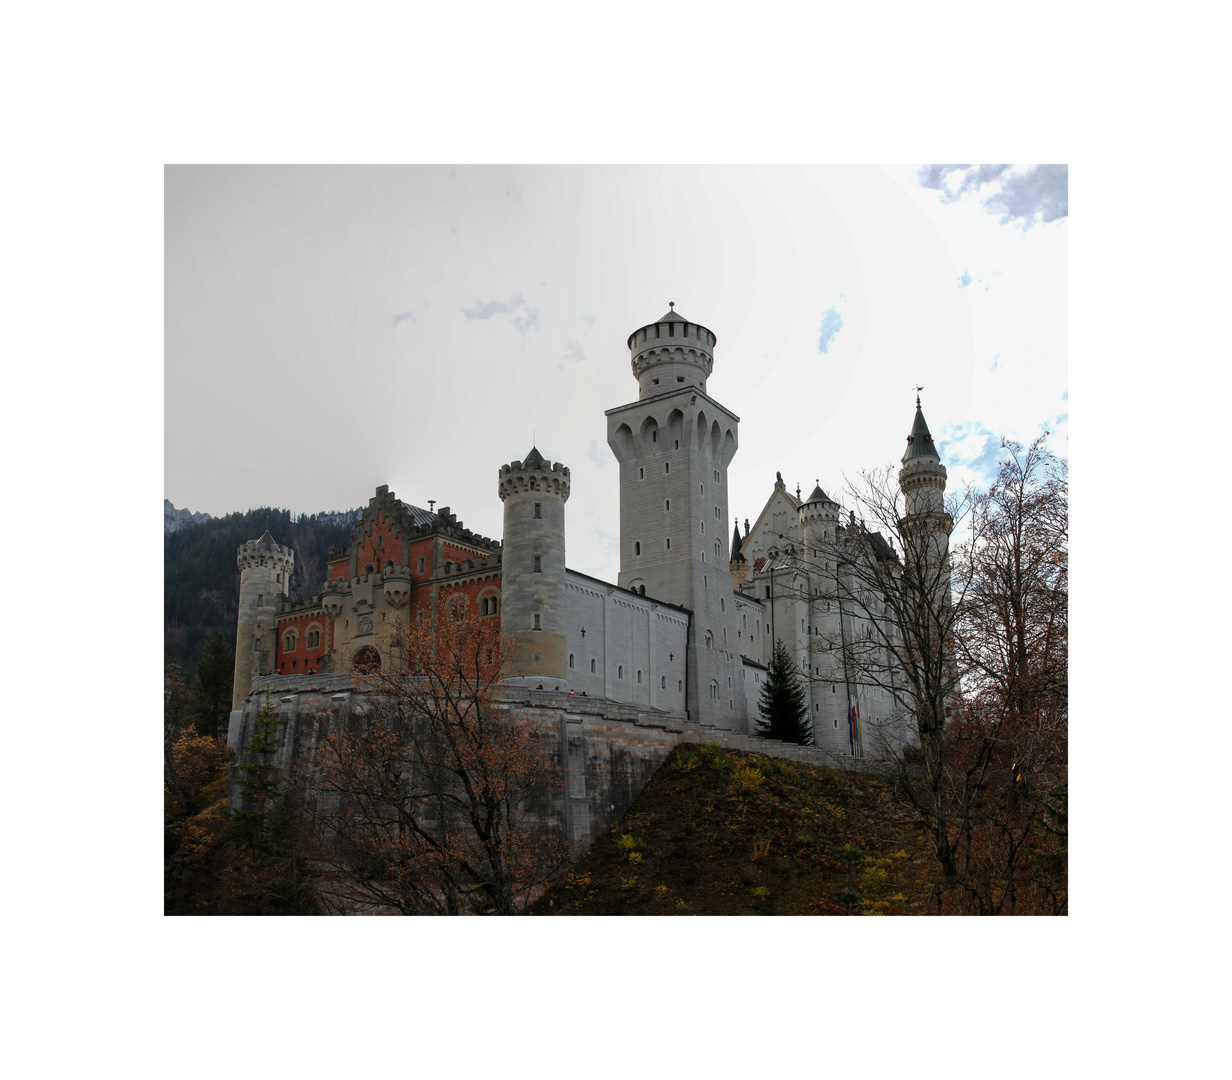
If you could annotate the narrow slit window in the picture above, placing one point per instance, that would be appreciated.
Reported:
(537, 513)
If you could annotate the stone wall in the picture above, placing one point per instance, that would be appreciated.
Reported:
(606, 750)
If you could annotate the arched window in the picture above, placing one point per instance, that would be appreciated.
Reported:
(637, 547)
(592, 667)
(571, 664)
(662, 682)
(620, 671)
(288, 643)
(680, 686)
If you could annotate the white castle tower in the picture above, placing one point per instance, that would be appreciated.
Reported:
(819, 521)
(925, 523)
(674, 445)
(265, 576)
(534, 493)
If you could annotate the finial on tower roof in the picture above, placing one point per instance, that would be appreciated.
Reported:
(431, 504)
(672, 304)
(917, 396)
(797, 490)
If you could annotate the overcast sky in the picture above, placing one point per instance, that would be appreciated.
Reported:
(329, 329)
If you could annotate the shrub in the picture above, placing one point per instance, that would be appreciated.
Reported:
(849, 853)
(683, 764)
(748, 779)
(712, 754)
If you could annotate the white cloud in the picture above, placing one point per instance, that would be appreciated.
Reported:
(520, 313)
(1022, 194)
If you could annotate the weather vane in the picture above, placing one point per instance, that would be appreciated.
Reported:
(917, 395)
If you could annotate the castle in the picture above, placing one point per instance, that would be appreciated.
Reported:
(685, 633)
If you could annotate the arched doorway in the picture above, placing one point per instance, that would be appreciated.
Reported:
(367, 661)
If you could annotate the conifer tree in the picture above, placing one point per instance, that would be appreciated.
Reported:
(784, 704)
(210, 706)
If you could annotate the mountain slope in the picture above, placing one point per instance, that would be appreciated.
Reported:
(720, 832)
(201, 581)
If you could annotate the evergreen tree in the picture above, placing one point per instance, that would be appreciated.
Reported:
(209, 708)
(784, 702)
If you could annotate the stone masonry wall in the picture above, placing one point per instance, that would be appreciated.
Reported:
(606, 750)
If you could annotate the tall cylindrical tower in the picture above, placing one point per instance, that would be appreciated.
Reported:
(925, 526)
(534, 493)
(265, 577)
(819, 519)
(671, 354)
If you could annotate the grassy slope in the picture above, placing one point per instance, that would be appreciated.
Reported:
(720, 832)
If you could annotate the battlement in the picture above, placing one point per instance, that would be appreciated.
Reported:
(265, 552)
(535, 474)
(671, 354)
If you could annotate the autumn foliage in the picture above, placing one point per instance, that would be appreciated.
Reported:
(429, 798)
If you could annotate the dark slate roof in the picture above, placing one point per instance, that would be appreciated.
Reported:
(818, 495)
(920, 442)
(419, 515)
(671, 316)
(735, 544)
(534, 459)
(267, 541)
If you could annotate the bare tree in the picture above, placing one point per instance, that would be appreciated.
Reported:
(972, 646)
(430, 798)
(889, 574)
(1012, 630)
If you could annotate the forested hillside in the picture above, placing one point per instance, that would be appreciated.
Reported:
(201, 581)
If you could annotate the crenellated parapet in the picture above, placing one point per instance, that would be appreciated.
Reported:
(671, 353)
(535, 474)
(265, 552)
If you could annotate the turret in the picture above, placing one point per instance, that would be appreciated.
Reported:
(925, 525)
(738, 565)
(534, 493)
(671, 354)
(922, 477)
(818, 521)
(265, 577)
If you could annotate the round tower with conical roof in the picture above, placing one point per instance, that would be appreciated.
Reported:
(534, 493)
(925, 525)
(265, 578)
